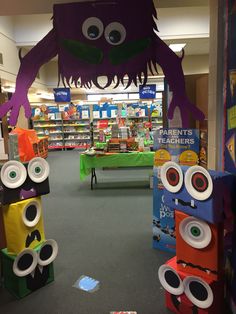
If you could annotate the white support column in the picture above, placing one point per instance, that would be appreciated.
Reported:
(216, 76)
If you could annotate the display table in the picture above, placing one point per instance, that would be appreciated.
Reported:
(88, 164)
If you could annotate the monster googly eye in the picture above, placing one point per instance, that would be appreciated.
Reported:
(195, 232)
(170, 280)
(115, 33)
(172, 176)
(31, 214)
(198, 183)
(48, 252)
(25, 263)
(198, 292)
(13, 174)
(92, 28)
(38, 169)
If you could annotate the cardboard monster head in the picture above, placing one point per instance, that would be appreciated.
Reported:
(208, 195)
(23, 225)
(103, 38)
(20, 181)
(185, 293)
(199, 246)
(30, 269)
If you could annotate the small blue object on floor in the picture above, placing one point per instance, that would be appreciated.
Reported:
(87, 284)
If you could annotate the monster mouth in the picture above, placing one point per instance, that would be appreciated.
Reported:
(38, 278)
(178, 201)
(35, 235)
(126, 51)
(176, 301)
(88, 53)
(25, 194)
(206, 270)
(94, 55)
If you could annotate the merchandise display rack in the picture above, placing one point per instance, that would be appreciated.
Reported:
(64, 134)
(70, 126)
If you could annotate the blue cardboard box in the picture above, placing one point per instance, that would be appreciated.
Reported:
(213, 204)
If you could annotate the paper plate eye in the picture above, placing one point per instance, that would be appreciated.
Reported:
(38, 169)
(31, 214)
(115, 33)
(195, 232)
(198, 183)
(92, 28)
(25, 263)
(172, 176)
(13, 174)
(198, 292)
(170, 280)
(48, 252)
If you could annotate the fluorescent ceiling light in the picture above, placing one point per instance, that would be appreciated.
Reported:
(177, 47)
(45, 95)
(8, 89)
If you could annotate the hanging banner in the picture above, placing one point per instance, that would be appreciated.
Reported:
(62, 95)
(147, 91)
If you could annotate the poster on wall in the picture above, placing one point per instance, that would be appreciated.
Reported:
(230, 88)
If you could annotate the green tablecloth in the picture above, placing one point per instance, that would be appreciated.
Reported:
(135, 159)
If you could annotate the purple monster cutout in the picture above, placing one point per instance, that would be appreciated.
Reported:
(111, 38)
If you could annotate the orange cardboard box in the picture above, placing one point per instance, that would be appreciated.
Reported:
(199, 246)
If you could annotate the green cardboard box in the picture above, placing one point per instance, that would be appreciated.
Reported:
(22, 286)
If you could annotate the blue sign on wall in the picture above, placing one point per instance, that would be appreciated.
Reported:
(147, 91)
(62, 94)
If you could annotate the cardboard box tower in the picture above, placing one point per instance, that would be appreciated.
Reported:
(27, 258)
(194, 279)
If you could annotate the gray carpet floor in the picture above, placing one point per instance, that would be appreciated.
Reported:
(105, 234)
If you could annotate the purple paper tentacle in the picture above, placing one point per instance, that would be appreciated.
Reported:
(172, 69)
(44, 51)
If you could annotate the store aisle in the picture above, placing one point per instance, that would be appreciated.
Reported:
(106, 234)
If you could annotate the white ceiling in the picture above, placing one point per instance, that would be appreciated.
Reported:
(19, 7)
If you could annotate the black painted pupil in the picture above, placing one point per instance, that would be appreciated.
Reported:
(46, 252)
(31, 212)
(93, 31)
(37, 169)
(13, 174)
(172, 176)
(172, 279)
(25, 261)
(198, 291)
(195, 231)
(200, 182)
(115, 36)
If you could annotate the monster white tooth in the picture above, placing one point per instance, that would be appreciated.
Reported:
(184, 265)
(40, 268)
(179, 299)
(192, 203)
(176, 201)
(32, 190)
(22, 197)
(32, 273)
(208, 271)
